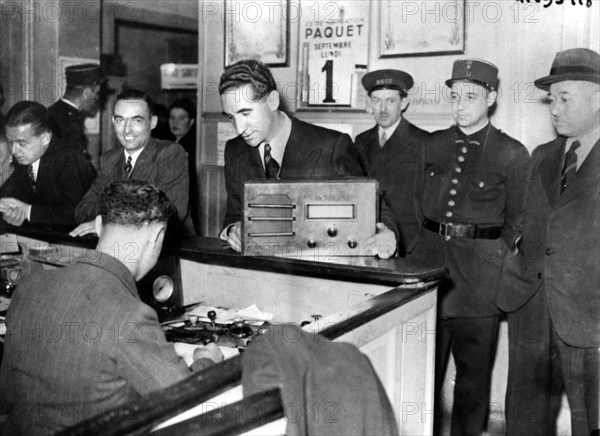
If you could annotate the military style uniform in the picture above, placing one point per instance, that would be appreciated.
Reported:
(470, 201)
(68, 125)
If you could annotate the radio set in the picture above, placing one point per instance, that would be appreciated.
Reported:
(297, 219)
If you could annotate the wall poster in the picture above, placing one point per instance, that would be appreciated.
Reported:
(334, 41)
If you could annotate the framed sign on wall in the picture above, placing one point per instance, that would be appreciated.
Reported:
(433, 27)
(334, 41)
(257, 30)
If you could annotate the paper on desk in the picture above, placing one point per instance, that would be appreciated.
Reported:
(186, 351)
(250, 313)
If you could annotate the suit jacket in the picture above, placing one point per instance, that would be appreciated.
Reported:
(486, 189)
(162, 163)
(64, 175)
(393, 166)
(312, 152)
(68, 124)
(314, 373)
(560, 246)
(81, 342)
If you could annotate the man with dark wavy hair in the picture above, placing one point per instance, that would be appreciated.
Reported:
(48, 179)
(273, 145)
(80, 341)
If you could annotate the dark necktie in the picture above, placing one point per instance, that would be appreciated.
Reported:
(31, 175)
(128, 168)
(570, 166)
(271, 165)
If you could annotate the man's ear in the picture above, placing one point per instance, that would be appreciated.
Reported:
(491, 98)
(403, 103)
(273, 100)
(98, 224)
(153, 122)
(157, 235)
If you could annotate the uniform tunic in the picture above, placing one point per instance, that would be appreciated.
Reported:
(471, 179)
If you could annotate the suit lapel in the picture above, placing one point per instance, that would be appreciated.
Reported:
(300, 150)
(587, 176)
(399, 141)
(550, 170)
(142, 164)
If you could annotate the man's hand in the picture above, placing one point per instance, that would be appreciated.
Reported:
(14, 211)
(206, 356)
(383, 243)
(234, 236)
(84, 229)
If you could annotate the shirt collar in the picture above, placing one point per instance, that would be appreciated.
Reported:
(278, 142)
(389, 131)
(70, 103)
(35, 167)
(134, 155)
(587, 142)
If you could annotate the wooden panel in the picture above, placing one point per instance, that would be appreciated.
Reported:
(213, 199)
(401, 347)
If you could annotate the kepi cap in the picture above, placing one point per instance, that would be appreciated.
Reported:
(478, 71)
(572, 64)
(387, 79)
(84, 74)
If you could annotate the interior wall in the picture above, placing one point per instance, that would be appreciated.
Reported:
(520, 38)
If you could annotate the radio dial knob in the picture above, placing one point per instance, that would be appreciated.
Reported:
(311, 243)
(352, 243)
(332, 232)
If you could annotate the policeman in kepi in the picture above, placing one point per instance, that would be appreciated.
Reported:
(470, 194)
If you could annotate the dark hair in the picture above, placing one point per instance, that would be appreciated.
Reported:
(186, 105)
(248, 72)
(135, 94)
(29, 112)
(133, 202)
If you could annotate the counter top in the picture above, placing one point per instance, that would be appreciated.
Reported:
(361, 269)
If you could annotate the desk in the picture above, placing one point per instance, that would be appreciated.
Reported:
(385, 307)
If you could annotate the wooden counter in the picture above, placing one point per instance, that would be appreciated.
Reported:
(385, 307)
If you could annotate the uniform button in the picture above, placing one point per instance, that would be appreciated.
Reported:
(454, 181)
(458, 170)
(539, 275)
(449, 214)
(464, 149)
(432, 174)
(549, 251)
(461, 158)
(453, 192)
(451, 203)
(481, 184)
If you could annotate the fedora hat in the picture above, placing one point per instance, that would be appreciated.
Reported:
(572, 64)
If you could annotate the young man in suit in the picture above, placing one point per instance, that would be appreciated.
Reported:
(389, 151)
(48, 180)
(139, 157)
(79, 340)
(81, 100)
(551, 283)
(470, 188)
(273, 145)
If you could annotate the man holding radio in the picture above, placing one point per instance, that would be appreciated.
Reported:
(273, 145)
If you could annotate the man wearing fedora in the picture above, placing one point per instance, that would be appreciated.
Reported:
(552, 281)
(470, 188)
(81, 100)
(388, 152)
